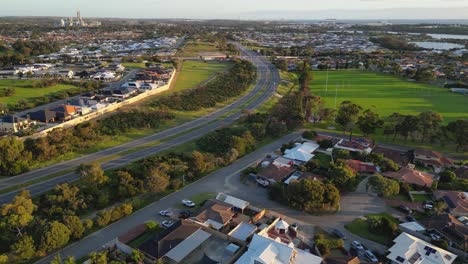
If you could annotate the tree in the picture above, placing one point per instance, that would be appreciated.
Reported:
(383, 186)
(305, 195)
(369, 121)
(65, 199)
(14, 159)
(347, 117)
(3, 259)
(55, 236)
(457, 131)
(19, 213)
(137, 256)
(447, 176)
(24, 248)
(342, 175)
(198, 163)
(428, 124)
(406, 125)
(69, 260)
(103, 218)
(92, 174)
(125, 184)
(156, 181)
(75, 225)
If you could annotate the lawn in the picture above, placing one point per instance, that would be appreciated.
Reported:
(421, 197)
(192, 49)
(23, 92)
(134, 65)
(387, 94)
(194, 73)
(360, 228)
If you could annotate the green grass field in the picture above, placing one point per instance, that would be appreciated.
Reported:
(194, 73)
(22, 92)
(192, 49)
(360, 227)
(387, 94)
(134, 65)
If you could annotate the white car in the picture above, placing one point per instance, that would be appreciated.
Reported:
(167, 223)
(166, 213)
(370, 256)
(357, 245)
(428, 207)
(188, 203)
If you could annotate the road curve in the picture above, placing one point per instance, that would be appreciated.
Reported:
(268, 78)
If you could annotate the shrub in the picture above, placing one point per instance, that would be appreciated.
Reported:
(309, 134)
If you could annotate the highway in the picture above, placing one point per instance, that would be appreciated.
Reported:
(266, 84)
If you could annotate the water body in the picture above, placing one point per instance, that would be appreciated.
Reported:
(438, 45)
(448, 36)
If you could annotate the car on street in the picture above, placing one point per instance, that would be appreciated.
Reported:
(188, 203)
(166, 213)
(370, 256)
(338, 234)
(428, 206)
(357, 245)
(185, 214)
(435, 237)
(167, 223)
(405, 209)
(410, 218)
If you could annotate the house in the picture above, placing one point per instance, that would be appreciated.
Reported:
(300, 175)
(243, 231)
(13, 124)
(301, 153)
(411, 176)
(410, 250)
(215, 214)
(359, 145)
(65, 112)
(462, 172)
(431, 159)
(401, 158)
(44, 116)
(362, 167)
(274, 173)
(449, 226)
(264, 250)
(63, 74)
(457, 201)
(282, 162)
(237, 203)
(124, 93)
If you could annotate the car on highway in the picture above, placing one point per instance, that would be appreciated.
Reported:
(357, 245)
(166, 213)
(370, 256)
(167, 223)
(188, 203)
(338, 234)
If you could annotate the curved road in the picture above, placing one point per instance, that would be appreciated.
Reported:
(268, 78)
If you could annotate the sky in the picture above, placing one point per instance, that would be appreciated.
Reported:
(241, 9)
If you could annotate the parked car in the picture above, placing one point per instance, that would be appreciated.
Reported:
(166, 213)
(188, 203)
(338, 234)
(294, 226)
(405, 209)
(370, 256)
(167, 223)
(410, 218)
(184, 214)
(263, 183)
(435, 236)
(357, 245)
(428, 206)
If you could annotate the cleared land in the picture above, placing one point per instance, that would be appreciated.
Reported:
(192, 49)
(23, 92)
(387, 94)
(194, 73)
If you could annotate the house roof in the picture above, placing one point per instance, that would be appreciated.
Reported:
(301, 152)
(184, 248)
(399, 157)
(216, 211)
(427, 153)
(456, 201)
(236, 202)
(450, 227)
(411, 176)
(462, 172)
(243, 231)
(409, 249)
(274, 172)
(359, 166)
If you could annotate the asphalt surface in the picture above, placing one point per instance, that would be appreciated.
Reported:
(227, 180)
(267, 82)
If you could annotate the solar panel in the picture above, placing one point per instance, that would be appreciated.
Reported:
(400, 259)
(428, 253)
(426, 248)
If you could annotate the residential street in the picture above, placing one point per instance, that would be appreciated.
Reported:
(227, 180)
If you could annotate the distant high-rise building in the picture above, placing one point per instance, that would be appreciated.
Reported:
(78, 21)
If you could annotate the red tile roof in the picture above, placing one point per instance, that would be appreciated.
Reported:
(275, 173)
(359, 166)
(411, 176)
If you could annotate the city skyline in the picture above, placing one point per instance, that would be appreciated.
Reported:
(243, 9)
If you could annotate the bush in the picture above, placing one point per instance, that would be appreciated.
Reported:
(325, 144)
(309, 134)
(151, 225)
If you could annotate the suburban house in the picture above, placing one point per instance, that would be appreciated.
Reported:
(401, 158)
(13, 124)
(359, 145)
(44, 116)
(238, 204)
(451, 227)
(274, 173)
(215, 214)
(301, 153)
(362, 167)
(124, 93)
(411, 176)
(282, 162)
(410, 250)
(64, 112)
(456, 201)
(265, 250)
(300, 175)
(432, 159)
